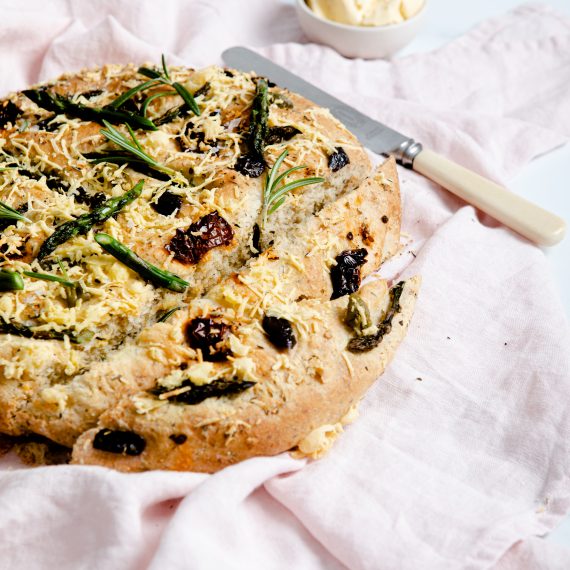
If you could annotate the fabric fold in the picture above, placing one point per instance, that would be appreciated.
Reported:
(461, 455)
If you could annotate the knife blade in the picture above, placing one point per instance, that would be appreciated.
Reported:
(377, 137)
(526, 218)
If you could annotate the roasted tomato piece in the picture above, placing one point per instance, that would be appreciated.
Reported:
(189, 246)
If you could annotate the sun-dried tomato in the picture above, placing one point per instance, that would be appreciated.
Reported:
(190, 245)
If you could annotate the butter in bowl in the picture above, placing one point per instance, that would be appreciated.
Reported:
(367, 29)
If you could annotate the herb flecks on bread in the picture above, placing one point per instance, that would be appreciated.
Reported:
(178, 252)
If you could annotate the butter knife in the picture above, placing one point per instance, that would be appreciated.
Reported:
(531, 221)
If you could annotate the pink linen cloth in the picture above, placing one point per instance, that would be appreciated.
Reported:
(460, 458)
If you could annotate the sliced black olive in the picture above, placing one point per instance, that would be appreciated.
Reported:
(251, 165)
(338, 159)
(203, 90)
(92, 200)
(279, 331)
(255, 240)
(345, 275)
(209, 335)
(179, 438)
(117, 441)
(8, 113)
(211, 231)
(167, 203)
(279, 134)
(49, 124)
(228, 73)
(92, 93)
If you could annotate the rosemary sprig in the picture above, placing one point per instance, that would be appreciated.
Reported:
(10, 281)
(122, 99)
(151, 98)
(273, 194)
(84, 223)
(158, 78)
(62, 105)
(47, 277)
(8, 213)
(158, 277)
(133, 148)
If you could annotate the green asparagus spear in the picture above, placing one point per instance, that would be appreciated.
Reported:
(10, 281)
(158, 277)
(62, 105)
(7, 327)
(84, 223)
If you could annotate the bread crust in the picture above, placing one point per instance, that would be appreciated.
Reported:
(67, 392)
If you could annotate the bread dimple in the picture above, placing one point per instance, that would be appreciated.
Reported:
(276, 414)
(59, 389)
(294, 267)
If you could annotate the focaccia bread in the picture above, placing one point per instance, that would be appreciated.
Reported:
(159, 227)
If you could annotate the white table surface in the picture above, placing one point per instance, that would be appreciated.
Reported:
(544, 181)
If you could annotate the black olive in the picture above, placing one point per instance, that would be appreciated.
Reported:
(255, 240)
(228, 73)
(279, 134)
(279, 331)
(179, 438)
(92, 93)
(345, 275)
(117, 441)
(189, 246)
(338, 159)
(208, 335)
(92, 200)
(251, 165)
(167, 204)
(8, 113)
(203, 90)
(384, 219)
(48, 124)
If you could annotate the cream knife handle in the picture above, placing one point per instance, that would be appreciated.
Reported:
(526, 218)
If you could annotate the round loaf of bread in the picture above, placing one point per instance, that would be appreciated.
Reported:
(179, 250)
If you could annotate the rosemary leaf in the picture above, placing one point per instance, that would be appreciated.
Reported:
(48, 277)
(10, 281)
(8, 213)
(187, 97)
(133, 147)
(273, 194)
(151, 98)
(158, 277)
(122, 99)
(167, 314)
(164, 68)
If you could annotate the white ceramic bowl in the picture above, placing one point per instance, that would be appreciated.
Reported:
(368, 42)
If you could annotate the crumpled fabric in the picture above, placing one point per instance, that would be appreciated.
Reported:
(460, 458)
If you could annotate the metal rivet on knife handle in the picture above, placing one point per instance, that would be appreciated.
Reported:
(531, 221)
